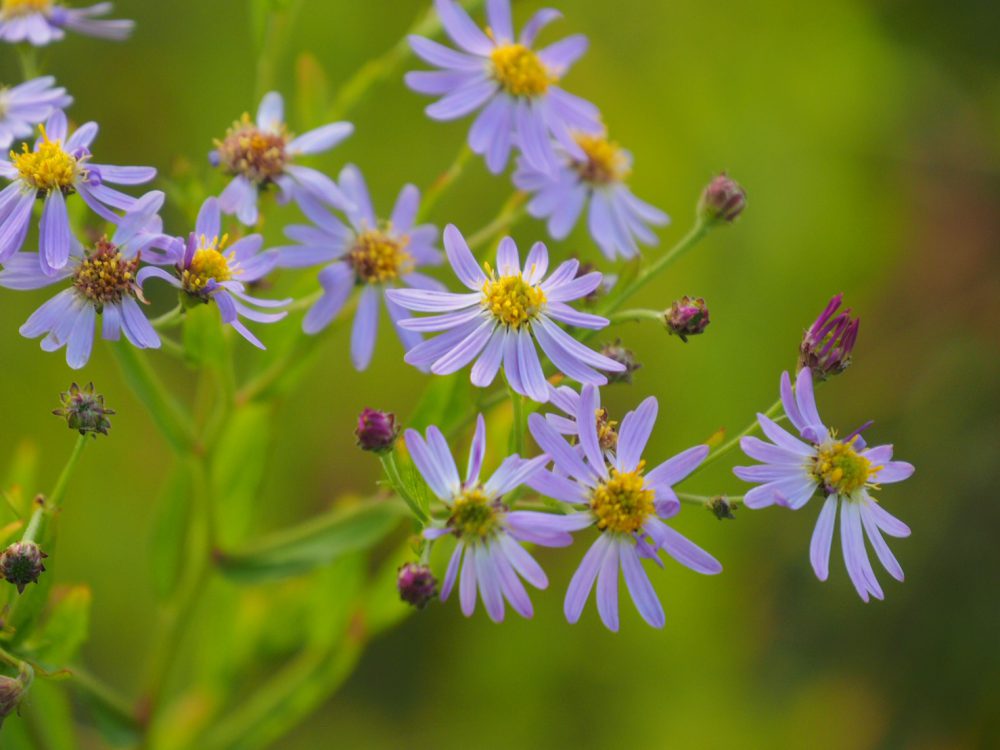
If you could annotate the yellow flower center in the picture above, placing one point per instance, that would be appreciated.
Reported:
(841, 469)
(12, 8)
(249, 151)
(104, 276)
(622, 503)
(376, 257)
(208, 264)
(47, 167)
(519, 71)
(473, 515)
(605, 163)
(512, 300)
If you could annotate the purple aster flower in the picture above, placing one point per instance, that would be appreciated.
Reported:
(57, 167)
(210, 271)
(626, 505)
(513, 84)
(793, 469)
(596, 173)
(262, 153)
(24, 106)
(489, 550)
(368, 253)
(501, 319)
(827, 345)
(103, 282)
(39, 22)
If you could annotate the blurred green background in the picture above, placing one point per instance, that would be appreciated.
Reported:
(865, 133)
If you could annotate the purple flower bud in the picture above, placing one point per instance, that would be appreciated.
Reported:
(376, 431)
(416, 584)
(13, 689)
(827, 345)
(688, 316)
(622, 356)
(722, 200)
(21, 564)
(84, 410)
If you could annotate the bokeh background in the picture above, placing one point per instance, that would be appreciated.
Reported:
(865, 132)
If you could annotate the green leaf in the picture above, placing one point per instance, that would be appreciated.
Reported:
(20, 478)
(61, 635)
(204, 339)
(168, 545)
(444, 403)
(315, 543)
(238, 470)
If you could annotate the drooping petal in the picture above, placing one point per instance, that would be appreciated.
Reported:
(822, 538)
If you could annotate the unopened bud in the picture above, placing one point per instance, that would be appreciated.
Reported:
(722, 200)
(21, 564)
(827, 345)
(722, 508)
(376, 431)
(688, 316)
(416, 584)
(84, 410)
(13, 689)
(622, 356)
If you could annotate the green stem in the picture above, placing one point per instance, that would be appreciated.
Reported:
(636, 316)
(54, 500)
(396, 480)
(100, 693)
(689, 241)
(692, 499)
(444, 182)
(510, 213)
(170, 319)
(520, 422)
(27, 55)
(728, 446)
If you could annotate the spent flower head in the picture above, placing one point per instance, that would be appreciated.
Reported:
(623, 356)
(84, 410)
(21, 564)
(827, 346)
(13, 690)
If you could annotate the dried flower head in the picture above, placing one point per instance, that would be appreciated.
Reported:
(84, 410)
(21, 564)
(622, 356)
(827, 345)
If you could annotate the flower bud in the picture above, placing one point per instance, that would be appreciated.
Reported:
(376, 431)
(84, 410)
(827, 345)
(13, 689)
(21, 564)
(622, 356)
(722, 508)
(688, 316)
(416, 584)
(722, 200)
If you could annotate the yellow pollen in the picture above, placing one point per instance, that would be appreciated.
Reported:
(11, 8)
(208, 264)
(607, 430)
(473, 515)
(247, 150)
(606, 162)
(841, 469)
(511, 299)
(622, 503)
(104, 276)
(519, 71)
(377, 257)
(46, 168)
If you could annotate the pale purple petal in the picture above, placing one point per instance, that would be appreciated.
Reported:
(822, 538)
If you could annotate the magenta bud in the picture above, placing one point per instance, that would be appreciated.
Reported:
(722, 200)
(376, 431)
(416, 584)
(688, 316)
(21, 564)
(827, 346)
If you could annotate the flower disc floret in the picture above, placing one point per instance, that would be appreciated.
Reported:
(256, 154)
(473, 515)
(46, 168)
(208, 264)
(841, 469)
(607, 430)
(519, 70)
(377, 257)
(622, 503)
(105, 276)
(605, 164)
(512, 300)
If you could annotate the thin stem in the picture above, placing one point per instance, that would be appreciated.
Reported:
(27, 55)
(443, 183)
(396, 480)
(728, 446)
(692, 499)
(170, 319)
(107, 697)
(689, 241)
(304, 303)
(510, 213)
(636, 316)
(54, 500)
